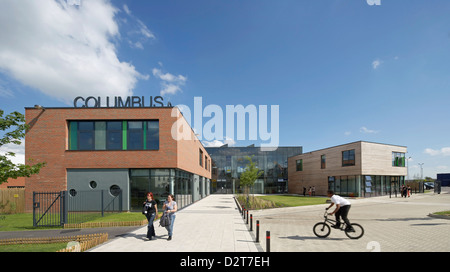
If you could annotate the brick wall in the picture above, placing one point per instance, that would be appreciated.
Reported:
(47, 141)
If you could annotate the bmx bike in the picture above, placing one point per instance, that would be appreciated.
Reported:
(323, 229)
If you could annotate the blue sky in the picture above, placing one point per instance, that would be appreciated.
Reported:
(340, 70)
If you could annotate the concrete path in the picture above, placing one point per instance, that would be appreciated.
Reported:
(391, 225)
(212, 224)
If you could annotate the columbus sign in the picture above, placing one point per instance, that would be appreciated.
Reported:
(120, 102)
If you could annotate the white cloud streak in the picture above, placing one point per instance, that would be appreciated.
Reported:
(445, 151)
(366, 130)
(217, 143)
(170, 84)
(64, 50)
(376, 63)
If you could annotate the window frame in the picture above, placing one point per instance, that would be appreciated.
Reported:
(348, 161)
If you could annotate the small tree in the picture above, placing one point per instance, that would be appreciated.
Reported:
(15, 127)
(250, 175)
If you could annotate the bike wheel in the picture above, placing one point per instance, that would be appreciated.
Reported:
(358, 231)
(321, 230)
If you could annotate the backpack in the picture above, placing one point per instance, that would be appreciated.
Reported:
(165, 220)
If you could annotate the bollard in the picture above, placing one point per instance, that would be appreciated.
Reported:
(247, 217)
(267, 241)
(251, 222)
(257, 231)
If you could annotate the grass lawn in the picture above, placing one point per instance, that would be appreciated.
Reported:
(294, 201)
(278, 201)
(24, 221)
(447, 213)
(33, 247)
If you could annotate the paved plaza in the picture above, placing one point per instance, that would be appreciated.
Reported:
(214, 224)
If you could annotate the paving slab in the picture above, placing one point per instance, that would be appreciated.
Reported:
(212, 224)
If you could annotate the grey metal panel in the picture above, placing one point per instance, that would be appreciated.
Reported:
(79, 180)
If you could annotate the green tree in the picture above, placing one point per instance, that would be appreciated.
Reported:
(13, 127)
(250, 175)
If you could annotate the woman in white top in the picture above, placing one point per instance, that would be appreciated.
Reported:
(170, 206)
(342, 209)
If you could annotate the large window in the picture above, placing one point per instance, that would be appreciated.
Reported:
(114, 135)
(323, 162)
(135, 135)
(348, 157)
(152, 135)
(200, 157)
(299, 165)
(398, 159)
(86, 135)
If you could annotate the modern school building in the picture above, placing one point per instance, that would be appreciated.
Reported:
(128, 151)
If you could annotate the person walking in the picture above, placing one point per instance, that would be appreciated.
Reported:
(170, 207)
(150, 210)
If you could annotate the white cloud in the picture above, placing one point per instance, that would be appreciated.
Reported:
(64, 50)
(170, 84)
(19, 150)
(137, 33)
(126, 9)
(347, 133)
(217, 143)
(366, 130)
(376, 63)
(443, 151)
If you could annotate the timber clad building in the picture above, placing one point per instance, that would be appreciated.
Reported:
(127, 150)
(354, 169)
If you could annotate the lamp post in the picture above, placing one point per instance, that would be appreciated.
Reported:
(407, 167)
(421, 170)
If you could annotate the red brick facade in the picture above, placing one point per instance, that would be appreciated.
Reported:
(48, 141)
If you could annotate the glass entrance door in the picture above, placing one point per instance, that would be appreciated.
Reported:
(139, 187)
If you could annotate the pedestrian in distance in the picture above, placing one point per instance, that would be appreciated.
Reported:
(170, 207)
(314, 191)
(310, 191)
(150, 210)
(409, 190)
(304, 191)
(404, 191)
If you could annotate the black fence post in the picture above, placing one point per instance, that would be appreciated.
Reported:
(103, 208)
(257, 231)
(247, 217)
(34, 209)
(64, 207)
(251, 222)
(267, 241)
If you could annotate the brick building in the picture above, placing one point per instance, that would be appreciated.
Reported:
(132, 149)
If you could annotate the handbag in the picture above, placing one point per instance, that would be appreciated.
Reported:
(164, 221)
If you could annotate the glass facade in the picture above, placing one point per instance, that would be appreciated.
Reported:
(365, 185)
(228, 163)
(161, 182)
(114, 135)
